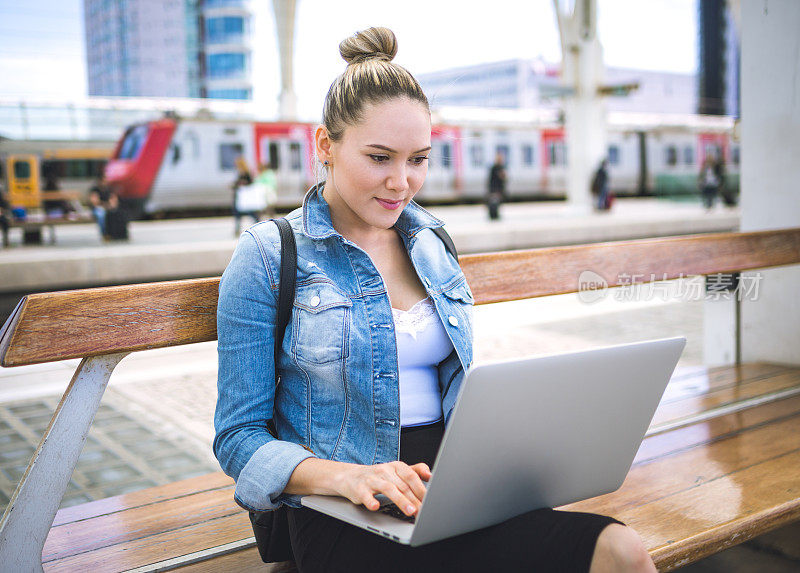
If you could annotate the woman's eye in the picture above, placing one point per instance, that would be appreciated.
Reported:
(419, 160)
(379, 158)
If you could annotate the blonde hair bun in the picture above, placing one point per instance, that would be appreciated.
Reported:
(370, 44)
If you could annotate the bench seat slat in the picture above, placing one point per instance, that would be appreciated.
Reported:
(90, 322)
(158, 547)
(719, 514)
(245, 561)
(138, 523)
(736, 391)
(141, 498)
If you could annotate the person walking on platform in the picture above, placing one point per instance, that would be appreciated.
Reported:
(245, 202)
(374, 354)
(497, 186)
(269, 187)
(601, 187)
(99, 196)
(709, 182)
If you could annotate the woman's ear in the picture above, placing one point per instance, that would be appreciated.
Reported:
(323, 145)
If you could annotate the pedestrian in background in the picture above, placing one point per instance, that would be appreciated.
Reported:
(600, 187)
(245, 204)
(497, 187)
(709, 182)
(99, 197)
(269, 187)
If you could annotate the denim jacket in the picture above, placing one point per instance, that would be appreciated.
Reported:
(338, 397)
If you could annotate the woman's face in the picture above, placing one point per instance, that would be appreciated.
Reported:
(377, 166)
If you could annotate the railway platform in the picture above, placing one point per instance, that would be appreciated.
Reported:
(185, 248)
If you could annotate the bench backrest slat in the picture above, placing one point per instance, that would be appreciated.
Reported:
(91, 322)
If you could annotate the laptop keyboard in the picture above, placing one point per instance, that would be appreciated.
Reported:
(394, 511)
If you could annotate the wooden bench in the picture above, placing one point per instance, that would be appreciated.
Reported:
(720, 463)
(36, 225)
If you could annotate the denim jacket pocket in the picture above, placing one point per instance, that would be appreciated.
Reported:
(321, 323)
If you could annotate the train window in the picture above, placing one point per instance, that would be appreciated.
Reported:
(556, 153)
(688, 155)
(446, 156)
(228, 152)
(503, 150)
(22, 170)
(672, 155)
(476, 155)
(527, 155)
(613, 154)
(735, 155)
(295, 159)
(132, 142)
(274, 156)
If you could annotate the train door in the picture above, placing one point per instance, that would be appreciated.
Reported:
(23, 181)
(289, 157)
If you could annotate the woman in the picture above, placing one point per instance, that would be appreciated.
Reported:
(372, 361)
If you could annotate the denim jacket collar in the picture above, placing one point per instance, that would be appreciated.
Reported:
(317, 218)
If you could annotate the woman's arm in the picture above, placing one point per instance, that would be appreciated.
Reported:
(260, 464)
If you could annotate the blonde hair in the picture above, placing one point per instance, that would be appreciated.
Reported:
(370, 78)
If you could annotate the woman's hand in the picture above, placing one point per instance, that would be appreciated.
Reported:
(398, 481)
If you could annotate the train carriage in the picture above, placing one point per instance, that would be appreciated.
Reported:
(188, 164)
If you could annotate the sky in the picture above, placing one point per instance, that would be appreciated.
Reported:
(42, 52)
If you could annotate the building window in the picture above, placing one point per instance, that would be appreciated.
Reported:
(231, 65)
(228, 152)
(225, 30)
(672, 156)
(688, 155)
(228, 94)
(476, 155)
(527, 155)
(613, 155)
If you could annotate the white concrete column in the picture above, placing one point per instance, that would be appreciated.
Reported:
(770, 172)
(284, 23)
(585, 111)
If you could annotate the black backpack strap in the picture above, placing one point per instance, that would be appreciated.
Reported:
(287, 279)
(448, 242)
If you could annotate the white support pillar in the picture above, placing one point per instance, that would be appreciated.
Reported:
(32, 509)
(582, 71)
(770, 179)
(284, 22)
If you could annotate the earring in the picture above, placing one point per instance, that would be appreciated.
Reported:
(325, 163)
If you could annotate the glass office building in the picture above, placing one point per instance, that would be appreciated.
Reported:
(168, 48)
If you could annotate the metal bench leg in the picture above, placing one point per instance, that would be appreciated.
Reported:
(33, 507)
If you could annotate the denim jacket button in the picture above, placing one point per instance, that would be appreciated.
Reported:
(453, 321)
(314, 301)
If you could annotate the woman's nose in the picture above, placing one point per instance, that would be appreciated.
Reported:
(398, 178)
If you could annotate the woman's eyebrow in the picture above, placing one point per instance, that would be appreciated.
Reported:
(389, 149)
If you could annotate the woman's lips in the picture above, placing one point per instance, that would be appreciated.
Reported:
(392, 205)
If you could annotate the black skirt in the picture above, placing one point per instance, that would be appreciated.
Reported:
(540, 540)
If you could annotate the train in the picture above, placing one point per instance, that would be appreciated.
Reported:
(175, 164)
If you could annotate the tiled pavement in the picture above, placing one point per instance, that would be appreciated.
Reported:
(155, 423)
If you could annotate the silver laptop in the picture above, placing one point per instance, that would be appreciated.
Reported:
(537, 432)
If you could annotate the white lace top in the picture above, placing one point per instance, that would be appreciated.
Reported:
(422, 343)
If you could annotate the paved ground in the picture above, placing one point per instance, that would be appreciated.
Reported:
(155, 423)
